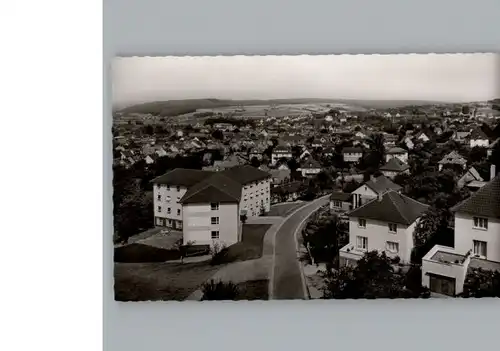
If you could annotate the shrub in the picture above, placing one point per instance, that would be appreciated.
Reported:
(219, 253)
(396, 260)
(219, 290)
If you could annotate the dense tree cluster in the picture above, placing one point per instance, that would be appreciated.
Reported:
(324, 235)
(374, 276)
(481, 283)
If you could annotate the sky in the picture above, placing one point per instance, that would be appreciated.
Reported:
(433, 77)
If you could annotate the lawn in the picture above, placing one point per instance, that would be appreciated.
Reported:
(250, 246)
(136, 253)
(159, 281)
(141, 253)
(253, 290)
(283, 210)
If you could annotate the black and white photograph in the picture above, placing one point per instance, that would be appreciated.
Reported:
(306, 177)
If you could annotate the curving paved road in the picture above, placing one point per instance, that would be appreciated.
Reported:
(287, 276)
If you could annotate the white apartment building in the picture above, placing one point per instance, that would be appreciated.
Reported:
(208, 205)
(385, 224)
(168, 190)
(476, 245)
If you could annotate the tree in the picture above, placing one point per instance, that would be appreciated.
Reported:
(133, 213)
(372, 277)
(324, 236)
(481, 283)
(377, 147)
(292, 164)
(218, 134)
(255, 162)
(432, 229)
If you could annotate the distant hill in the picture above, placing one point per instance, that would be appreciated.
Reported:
(178, 107)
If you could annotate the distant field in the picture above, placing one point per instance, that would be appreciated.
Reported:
(184, 107)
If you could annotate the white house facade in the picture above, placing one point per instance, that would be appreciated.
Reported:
(208, 223)
(385, 224)
(168, 190)
(352, 154)
(476, 245)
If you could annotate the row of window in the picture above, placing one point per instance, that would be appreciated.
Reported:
(479, 222)
(178, 188)
(479, 247)
(393, 227)
(362, 244)
(169, 210)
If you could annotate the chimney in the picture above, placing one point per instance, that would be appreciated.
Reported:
(493, 171)
(379, 196)
(372, 178)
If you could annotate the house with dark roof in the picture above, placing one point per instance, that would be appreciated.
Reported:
(394, 167)
(478, 138)
(472, 175)
(352, 154)
(286, 192)
(452, 159)
(280, 152)
(207, 205)
(309, 168)
(340, 201)
(396, 152)
(371, 189)
(385, 224)
(476, 241)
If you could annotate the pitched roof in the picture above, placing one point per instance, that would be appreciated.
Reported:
(245, 174)
(182, 176)
(310, 164)
(478, 133)
(453, 157)
(485, 202)
(392, 207)
(382, 184)
(397, 150)
(217, 188)
(340, 196)
(395, 164)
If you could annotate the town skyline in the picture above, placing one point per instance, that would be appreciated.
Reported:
(452, 78)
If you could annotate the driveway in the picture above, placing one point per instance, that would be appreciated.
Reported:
(287, 279)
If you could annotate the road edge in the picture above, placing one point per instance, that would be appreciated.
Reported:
(305, 289)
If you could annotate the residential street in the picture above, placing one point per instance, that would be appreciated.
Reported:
(287, 280)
